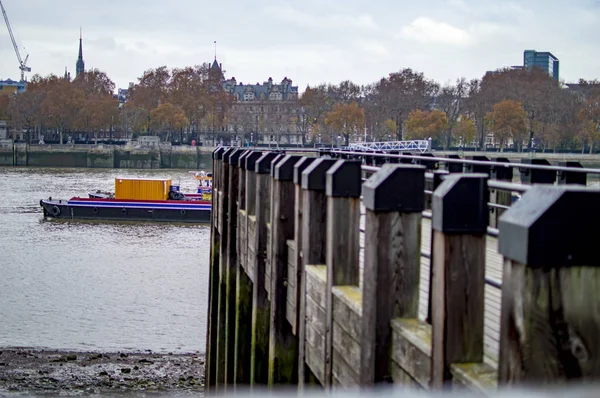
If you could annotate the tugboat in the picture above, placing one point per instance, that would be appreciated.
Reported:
(155, 200)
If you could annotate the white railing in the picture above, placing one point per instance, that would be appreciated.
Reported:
(402, 146)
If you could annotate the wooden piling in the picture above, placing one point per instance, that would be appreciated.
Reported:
(213, 287)
(312, 325)
(244, 285)
(259, 365)
(231, 264)
(394, 201)
(460, 220)
(223, 227)
(283, 345)
(550, 324)
(343, 190)
(241, 359)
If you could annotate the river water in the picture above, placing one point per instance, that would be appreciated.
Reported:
(97, 285)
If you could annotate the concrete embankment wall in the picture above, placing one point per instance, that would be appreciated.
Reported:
(105, 156)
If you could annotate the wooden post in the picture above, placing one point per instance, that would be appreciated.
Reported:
(537, 176)
(283, 345)
(231, 263)
(259, 365)
(213, 285)
(571, 177)
(343, 189)
(243, 314)
(502, 198)
(222, 226)
(314, 218)
(438, 175)
(550, 327)
(269, 222)
(296, 267)
(394, 200)
(460, 220)
(241, 362)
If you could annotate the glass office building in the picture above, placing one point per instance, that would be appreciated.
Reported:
(543, 60)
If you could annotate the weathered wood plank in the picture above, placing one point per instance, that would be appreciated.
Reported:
(314, 360)
(347, 309)
(347, 347)
(316, 316)
(478, 378)
(401, 377)
(411, 349)
(344, 372)
(316, 283)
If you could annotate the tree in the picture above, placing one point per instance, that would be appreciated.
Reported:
(314, 103)
(187, 89)
(4, 107)
(345, 119)
(451, 100)
(62, 104)
(424, 124)
(465, 128)
(508, 120)
(402, 92)
(167, 118)
(103, 113)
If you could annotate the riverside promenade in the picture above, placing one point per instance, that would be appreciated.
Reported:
(341, 270)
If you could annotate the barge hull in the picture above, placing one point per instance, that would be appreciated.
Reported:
(124, 213)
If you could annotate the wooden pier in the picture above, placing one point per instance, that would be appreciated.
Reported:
(344, 272)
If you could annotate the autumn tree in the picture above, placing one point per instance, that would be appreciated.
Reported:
(452, 101)
(150, 91)
(61, 105)
(345, 119)
(589, 115)
(188, 90)
(423, 125)
(167, 118)
(508, 120)
(465, 130)
(314, 105)
(400, 93)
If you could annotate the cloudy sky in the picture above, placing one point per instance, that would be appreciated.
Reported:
(311, 41)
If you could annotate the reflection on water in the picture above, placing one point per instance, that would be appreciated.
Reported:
(97, 285)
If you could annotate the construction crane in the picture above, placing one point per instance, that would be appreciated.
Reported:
(22, 64)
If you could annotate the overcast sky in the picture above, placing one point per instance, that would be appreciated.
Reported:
(310, 42)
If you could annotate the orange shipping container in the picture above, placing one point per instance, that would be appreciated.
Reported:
(142, 189)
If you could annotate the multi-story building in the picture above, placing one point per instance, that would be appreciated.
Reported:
(8, 87)
(261, 113)
(542, 60)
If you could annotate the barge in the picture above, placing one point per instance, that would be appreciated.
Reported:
(154, 200)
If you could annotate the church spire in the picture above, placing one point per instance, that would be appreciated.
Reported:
(80, 67)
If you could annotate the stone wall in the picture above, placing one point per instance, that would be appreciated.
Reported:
(100, 156)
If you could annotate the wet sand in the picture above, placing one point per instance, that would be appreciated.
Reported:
(40, 372)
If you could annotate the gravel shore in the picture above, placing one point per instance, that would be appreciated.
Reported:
(25, 371)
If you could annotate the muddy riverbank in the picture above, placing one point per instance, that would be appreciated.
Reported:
(41, 372)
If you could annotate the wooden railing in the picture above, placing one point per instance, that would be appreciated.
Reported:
(320, 277)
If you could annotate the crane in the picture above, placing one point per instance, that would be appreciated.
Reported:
(22, 64)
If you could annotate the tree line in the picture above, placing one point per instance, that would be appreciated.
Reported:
(516, 105)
